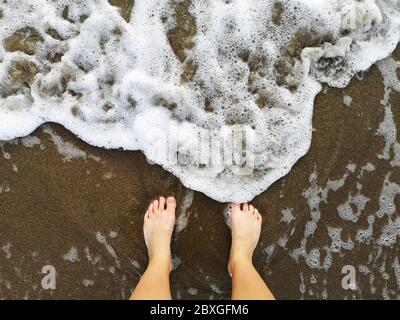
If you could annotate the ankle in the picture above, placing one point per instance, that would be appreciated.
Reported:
(160, 262)
(238, 260)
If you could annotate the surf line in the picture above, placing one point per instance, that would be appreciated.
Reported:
(160, 310)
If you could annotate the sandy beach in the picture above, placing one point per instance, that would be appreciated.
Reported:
(80, 209)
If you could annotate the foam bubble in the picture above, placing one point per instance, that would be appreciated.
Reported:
(7, 250)
(347, 100)
(387, 128)
(244, 63)
(71, 255)
(183, 219)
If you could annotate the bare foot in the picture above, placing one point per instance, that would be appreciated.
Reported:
(159, 222)
(246, 230)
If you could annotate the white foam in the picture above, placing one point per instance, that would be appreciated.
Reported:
(71, 255)
(366, 234)
(315, 196)
(192, 291)
(388, 127)
(30, 141)
(396, 269)
(345, 210)
(88, 282)
(7, 250)
(121, 70)
(389, 192)
(101, 238)
(94, 260)
(287, 215)
(4, 188)
(183, 219)
(347, 100)
(66, 149)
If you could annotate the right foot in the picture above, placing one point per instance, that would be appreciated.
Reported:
(246, 229)
(159, 222)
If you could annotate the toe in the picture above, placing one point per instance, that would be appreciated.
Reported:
(245, 207)
(251, 209)
(235, 207)
(155, 206)
(150, 211)
(162, 203)
(171, 204)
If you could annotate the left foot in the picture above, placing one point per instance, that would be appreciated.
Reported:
(159, 222)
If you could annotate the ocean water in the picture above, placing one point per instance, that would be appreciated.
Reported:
(220, 93)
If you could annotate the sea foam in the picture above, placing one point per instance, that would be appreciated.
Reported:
(247, 66)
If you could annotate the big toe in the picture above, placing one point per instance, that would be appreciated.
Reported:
(171, 204)
(235, 208)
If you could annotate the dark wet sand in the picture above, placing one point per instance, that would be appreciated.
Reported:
(53, 205)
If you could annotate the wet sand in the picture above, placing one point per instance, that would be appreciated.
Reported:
(93, 204)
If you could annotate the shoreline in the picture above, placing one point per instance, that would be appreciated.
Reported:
(53, 203)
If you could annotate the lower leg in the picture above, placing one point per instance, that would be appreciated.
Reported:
(154, 284)
(159, 222)
(247, 284)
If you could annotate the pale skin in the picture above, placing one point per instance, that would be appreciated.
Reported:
(159, 223)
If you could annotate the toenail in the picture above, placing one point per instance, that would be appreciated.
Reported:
(171, 200)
